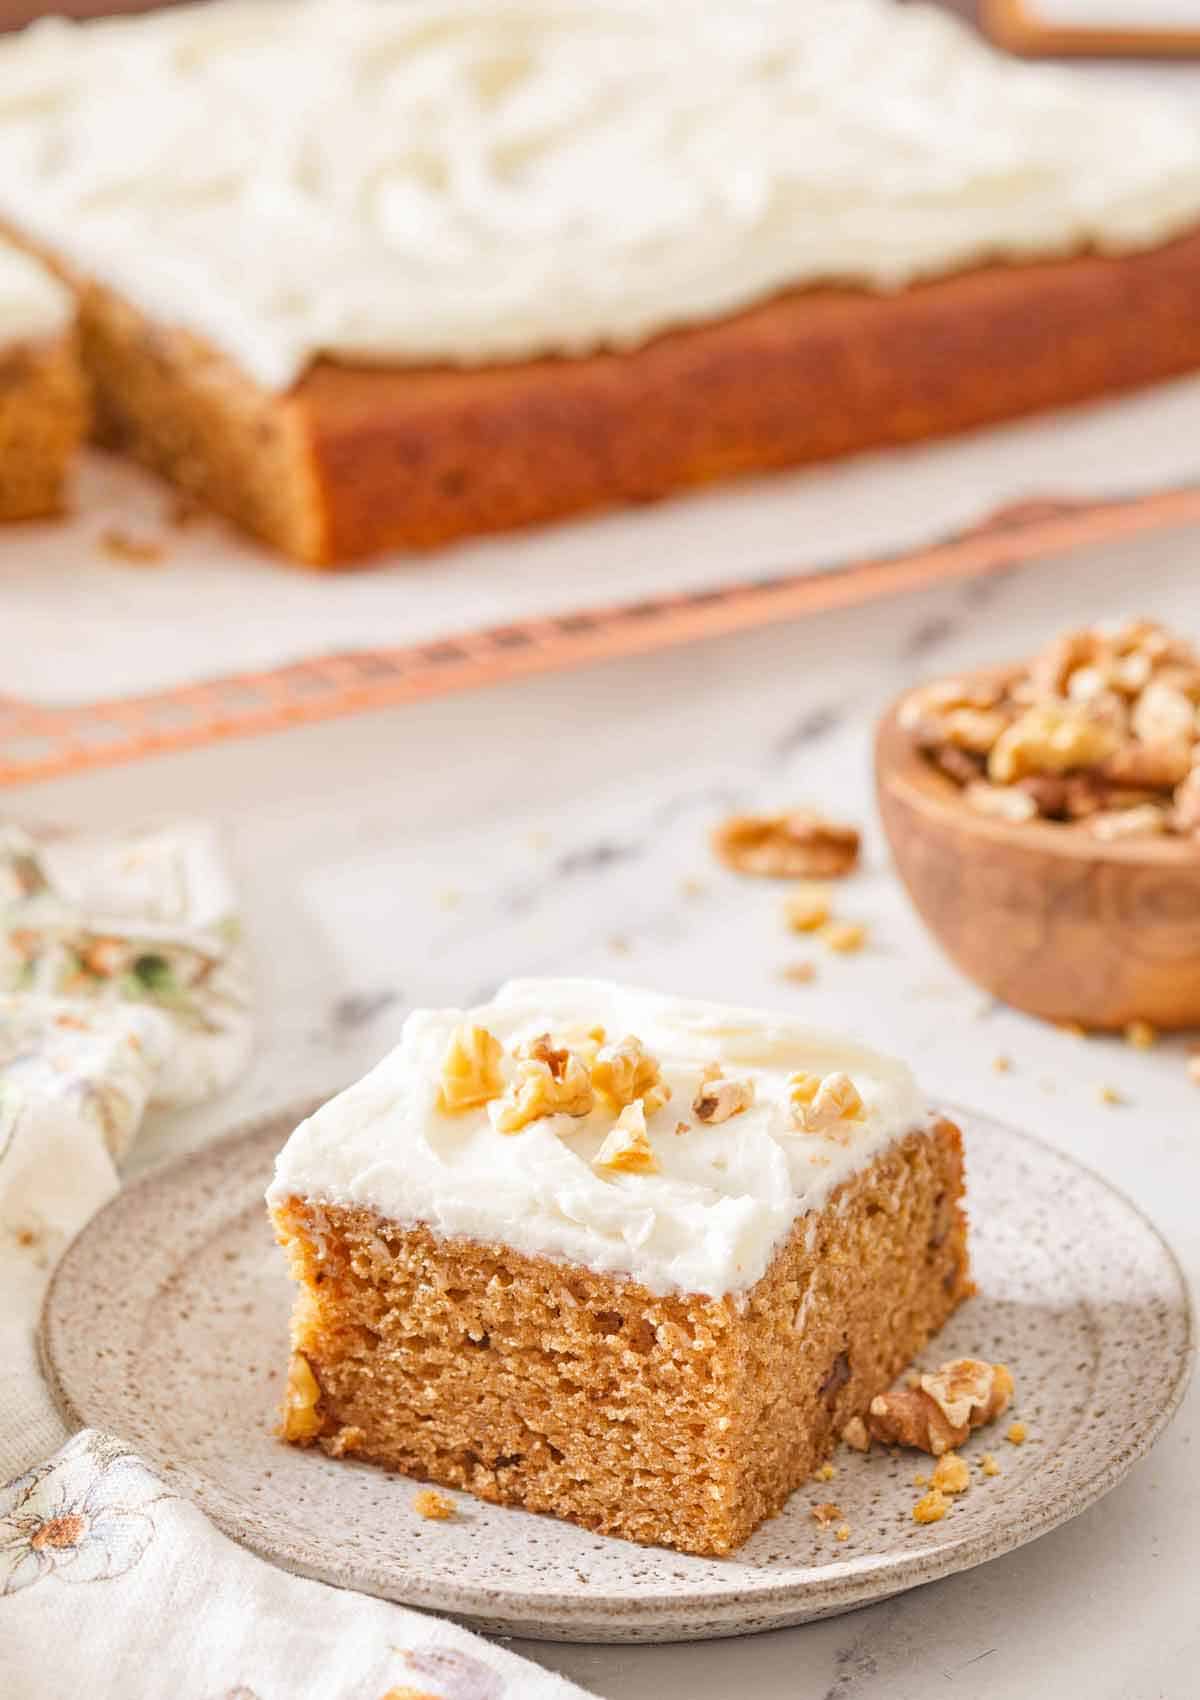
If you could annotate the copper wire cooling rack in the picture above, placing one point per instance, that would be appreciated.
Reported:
(39, 743)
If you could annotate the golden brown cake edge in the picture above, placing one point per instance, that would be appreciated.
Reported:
(356, 460)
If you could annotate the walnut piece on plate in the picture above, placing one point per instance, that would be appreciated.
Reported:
(937, 1415)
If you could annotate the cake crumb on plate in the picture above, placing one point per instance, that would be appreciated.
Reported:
(435, 1507)
(951, 1474)
(931, 1507)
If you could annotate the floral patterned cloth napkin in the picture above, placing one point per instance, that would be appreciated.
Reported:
(74, 1081)
(112, 1587)
(139, 917)
(129, 985)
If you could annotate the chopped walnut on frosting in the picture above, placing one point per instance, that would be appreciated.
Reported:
(718, 1099)
(1101, 729)
(820, 1102)
(628, 1150)
(470, 1070)
(549, 1081)
(798, 845)
(626, 1071)
(937, 1415)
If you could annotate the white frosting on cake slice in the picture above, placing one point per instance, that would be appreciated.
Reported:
(33, 303)
(724, 1197)
(477, 180)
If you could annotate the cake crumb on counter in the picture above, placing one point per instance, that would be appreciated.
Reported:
(807, 908)
(846, 937)
(122, 545)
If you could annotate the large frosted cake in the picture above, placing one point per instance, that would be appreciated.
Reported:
(367, 275)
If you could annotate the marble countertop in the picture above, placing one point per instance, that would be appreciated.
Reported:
(559, 825)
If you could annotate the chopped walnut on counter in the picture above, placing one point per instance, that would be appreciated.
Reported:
(549, 1081)
(807, 909)
(937, 1415)
(844, 936)
(1102, 727)
(798, 845)
(820, 1102)
(628, 1150)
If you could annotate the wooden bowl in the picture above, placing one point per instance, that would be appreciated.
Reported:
(1052, 921)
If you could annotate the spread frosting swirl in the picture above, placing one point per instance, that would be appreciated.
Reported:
(722, 1198)
(476, 180)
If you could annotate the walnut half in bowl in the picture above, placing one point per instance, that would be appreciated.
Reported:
(1045, 817)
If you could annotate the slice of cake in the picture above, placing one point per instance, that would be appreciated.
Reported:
(632, 1260)
(367, 276)
(42, 400)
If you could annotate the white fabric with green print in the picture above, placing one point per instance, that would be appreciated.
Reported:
(143, 917)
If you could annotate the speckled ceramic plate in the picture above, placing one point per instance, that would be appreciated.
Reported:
(167, 1322)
